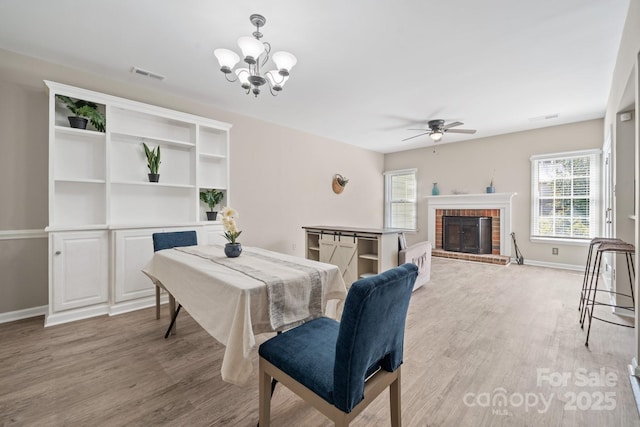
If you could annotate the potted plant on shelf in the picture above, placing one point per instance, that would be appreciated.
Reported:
(85, 111)
(153, 162)
(211, 198)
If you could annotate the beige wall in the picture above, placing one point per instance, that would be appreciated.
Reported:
(280, 177)
(468, 166)
(624, 75)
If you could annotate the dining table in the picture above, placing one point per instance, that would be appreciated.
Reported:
(235, 299)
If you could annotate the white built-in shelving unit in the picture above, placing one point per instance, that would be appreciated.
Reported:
(103, 207)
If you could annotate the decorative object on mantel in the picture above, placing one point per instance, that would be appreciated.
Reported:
(211, 197)
(84, 111)
(232, 249)
(435, 190)
(153, 162)
(491, 188)
(256, 55)
(338, 183)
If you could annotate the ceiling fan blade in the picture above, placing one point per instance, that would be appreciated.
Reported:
(461, 130)
(415, 136)
(423, 130)
(453, 124)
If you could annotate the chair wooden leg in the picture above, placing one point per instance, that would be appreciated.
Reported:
(396, 404)
(264, 397)
(157, 302)
(341, 422)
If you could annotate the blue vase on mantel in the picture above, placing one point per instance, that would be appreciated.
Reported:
(232, 250)
(435, 190)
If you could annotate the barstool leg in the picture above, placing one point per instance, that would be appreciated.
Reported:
(593, 301)
(583, 313)
(632, 274)
(585, 279)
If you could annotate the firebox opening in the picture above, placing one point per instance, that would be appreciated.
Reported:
(469, 234)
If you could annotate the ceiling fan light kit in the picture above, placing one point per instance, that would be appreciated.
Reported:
(437, 129)
(255, 54)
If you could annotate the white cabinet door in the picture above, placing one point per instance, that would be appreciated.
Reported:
(79, 269)
(133, 250)
(211, 235)
(341, 251)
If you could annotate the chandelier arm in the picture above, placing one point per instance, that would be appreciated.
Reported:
(267, 49)
(226, 76)
(276, 75)
(272, 92)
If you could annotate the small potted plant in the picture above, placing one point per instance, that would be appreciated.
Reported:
(211, 198)
(232, 249)
(85, 111)
(153, 162)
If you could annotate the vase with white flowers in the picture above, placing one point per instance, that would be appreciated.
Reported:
(232, 249)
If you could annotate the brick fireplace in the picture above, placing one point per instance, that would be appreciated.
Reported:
(497, 206)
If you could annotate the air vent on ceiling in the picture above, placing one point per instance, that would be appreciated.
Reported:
(141, 72)
(541, 118)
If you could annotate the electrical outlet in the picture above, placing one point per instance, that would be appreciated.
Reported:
(554, 251)
(294, 246)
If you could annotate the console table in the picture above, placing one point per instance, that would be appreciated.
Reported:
(358, 252)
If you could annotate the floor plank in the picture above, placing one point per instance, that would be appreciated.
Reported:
(475, 332)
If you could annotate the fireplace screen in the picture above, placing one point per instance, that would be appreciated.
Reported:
(469, 234)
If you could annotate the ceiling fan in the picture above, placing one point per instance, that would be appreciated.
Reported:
(437, 129)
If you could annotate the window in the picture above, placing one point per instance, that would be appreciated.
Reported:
(565, 195)
(400, 199)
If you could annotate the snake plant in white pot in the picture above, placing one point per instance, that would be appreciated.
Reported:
(153, 162)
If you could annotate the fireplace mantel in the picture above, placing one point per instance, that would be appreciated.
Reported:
(500, 201)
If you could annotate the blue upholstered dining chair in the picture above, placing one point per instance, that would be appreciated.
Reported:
(342, 367)
(168, 240)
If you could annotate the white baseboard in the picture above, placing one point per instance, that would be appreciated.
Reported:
(76, 314)
(551, 265)
(81, 313)
(11, 316)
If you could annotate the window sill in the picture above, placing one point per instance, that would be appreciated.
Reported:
(560, 241)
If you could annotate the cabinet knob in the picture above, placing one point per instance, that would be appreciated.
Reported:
(58, 252)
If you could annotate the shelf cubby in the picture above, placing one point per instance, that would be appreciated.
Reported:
(79, 203)
(156, 126)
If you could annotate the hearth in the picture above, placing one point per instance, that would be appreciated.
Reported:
(468, 234)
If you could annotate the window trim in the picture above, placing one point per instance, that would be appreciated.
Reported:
(387, 195)
(595, 178)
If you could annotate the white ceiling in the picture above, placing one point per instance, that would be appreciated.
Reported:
(367, 70)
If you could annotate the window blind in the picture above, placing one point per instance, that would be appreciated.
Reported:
(566, 195)
(400, 199)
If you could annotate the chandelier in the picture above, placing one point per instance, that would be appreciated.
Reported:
(256, 54)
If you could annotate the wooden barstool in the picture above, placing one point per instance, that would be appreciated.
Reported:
(583, 293)
(590, 299)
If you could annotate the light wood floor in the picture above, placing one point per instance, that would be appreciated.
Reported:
(474, 332)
